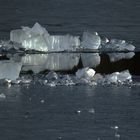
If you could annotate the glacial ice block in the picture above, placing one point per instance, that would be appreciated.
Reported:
(9, 69)
(85, 73)
(52, 61)
(118, 56)
(90, 41)
(118, 45)
(37, 38)
(90, 60)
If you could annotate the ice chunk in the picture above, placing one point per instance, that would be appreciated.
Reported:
(119, 77)
(90, 60)
(10, 69)
(119, 45)
(124, 76)
(2, 96)
(62, 43)
(118, 56)
(37, 38)
(51, 61)
(86, 73)
(90, 41)
(37, 43)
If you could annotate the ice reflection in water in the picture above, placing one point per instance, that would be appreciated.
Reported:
(52, 61)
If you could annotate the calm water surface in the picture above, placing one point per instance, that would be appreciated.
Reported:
(38, 112)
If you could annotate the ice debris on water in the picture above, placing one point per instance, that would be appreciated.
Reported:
(86, 73)
(37, 38)
(2, 96)
(118, 77)
(118, 45)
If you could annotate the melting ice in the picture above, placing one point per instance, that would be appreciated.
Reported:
(37, 38)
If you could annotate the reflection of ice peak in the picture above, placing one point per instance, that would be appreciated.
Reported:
(52, 61)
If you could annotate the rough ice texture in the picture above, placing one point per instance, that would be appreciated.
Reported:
(90, 60)
(90, 41)
(119, 77)
(118, 45)
(118, 56)
(10, 69)
(37, 38)
(86, 73)
(52, 61)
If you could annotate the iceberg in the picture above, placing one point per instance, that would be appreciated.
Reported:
(37, 38)
(10, 69)
(85, 73)
(90, 41)
(118, 56)
(90, 60)
(51, 61)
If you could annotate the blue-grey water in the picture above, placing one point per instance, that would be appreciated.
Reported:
(39, 112)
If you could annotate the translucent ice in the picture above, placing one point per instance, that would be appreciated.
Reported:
(85, 73)
(90, 60)
(10, 69)
(118, 45)
(118, 56)
(119, 77)
(37, 38)
(90, 41)
(51, 61)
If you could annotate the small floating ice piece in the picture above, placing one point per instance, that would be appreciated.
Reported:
(10, 69)
(90, 60)
(118, 56)
(119, 45)
(119, 77)
(124, 76)
(2, 96)
(90, 41)
(86, 73)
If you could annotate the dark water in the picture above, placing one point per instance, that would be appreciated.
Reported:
(39, 112)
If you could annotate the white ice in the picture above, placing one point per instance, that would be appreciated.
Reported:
(38, 38)
(119, 45)
(90, 60)
(10, 69)
(90, 41)
(85, 73)
(119, 77)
